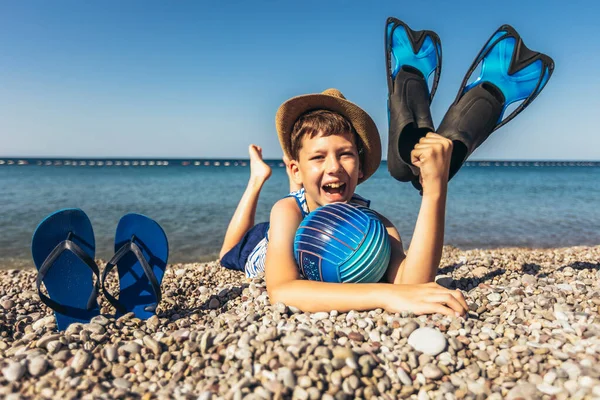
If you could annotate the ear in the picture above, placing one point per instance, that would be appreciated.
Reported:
(296, 175)
(360, 173)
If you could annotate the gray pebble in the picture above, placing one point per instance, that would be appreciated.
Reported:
(121, 383)
(409, 328)
(153, 345)
(37, 366)
(13, 371)
(432, 372)
(81, 360)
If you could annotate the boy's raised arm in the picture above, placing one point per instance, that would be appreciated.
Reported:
(432, 156)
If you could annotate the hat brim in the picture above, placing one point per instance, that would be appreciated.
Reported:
(293, 108)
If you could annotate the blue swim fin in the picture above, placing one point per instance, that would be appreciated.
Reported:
(141, 253)
(510, 72)
(63, 250)
(413, 67)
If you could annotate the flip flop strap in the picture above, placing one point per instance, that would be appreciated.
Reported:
(126, 248)
(68, 245)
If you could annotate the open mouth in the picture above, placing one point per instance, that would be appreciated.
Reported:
(335, 189)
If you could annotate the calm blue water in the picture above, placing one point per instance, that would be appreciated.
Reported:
(487, 206)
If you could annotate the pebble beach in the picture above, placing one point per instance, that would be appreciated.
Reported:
(533, 332)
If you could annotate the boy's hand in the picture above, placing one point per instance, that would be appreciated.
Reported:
(426, 298)
(432, 156)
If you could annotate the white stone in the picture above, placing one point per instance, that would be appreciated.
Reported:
(565, 287)
(319, 316)
(493, 297)
(428, 340)
(14, 371)
(550, 377)
(548, 389)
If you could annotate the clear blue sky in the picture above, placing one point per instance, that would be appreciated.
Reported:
(148, 78)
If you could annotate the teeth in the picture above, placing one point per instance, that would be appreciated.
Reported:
(334, 185)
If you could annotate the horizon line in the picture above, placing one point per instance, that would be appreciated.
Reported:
(192, 159)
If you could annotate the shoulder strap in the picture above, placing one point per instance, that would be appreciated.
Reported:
(300, 198)
(361, 201)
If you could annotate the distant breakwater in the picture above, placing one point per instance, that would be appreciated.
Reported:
(157, 162)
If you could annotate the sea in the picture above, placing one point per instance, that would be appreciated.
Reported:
(490, 204)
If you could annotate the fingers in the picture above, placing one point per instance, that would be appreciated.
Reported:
(438, 290)
(450, 301)
(461, 299)
(437, 308)
(415, 158)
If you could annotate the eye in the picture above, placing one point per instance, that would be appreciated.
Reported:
(317, 157)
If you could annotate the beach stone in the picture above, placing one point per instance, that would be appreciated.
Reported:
(7, 304)
(44, 322)
(494, 297)
(121, 383)
(153, 345)
(319, 316)
(428, 340)
(100, 320)
(118, 370)
(432, 372)
(522, 391)
(404, 378)
(131, 348)
(548, 389)
(111, 353)
(342, 352)
(81, 360)
(165, 357)
(214, 303)
(300, 393)
(13, 371)
(43, 342)
(37, 366)
(409, 328)
(479, 272)
(96, 328)
(482, 355)
(565, 287)
(152, 323)
(286, 376)
(529, 280)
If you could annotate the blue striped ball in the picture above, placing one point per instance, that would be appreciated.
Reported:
(342, 242)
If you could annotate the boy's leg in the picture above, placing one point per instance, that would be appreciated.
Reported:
(243, 218)
(293, 185)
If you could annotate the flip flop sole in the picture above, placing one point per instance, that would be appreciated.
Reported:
(69, 281)
(136, 292)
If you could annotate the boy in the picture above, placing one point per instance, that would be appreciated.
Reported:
(330, 146)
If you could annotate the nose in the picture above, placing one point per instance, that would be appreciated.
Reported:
(333, 164)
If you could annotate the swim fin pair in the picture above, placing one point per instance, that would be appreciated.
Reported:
(510, 72)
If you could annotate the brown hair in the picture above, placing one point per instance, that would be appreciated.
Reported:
(325, 122)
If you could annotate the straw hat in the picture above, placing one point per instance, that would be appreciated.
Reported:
(332, 100)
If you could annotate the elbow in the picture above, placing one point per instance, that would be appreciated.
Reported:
(275, 295)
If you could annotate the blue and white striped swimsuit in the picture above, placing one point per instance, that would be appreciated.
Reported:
(256, 260)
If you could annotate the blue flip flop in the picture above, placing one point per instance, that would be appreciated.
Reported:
(141, 253)
(63, 250)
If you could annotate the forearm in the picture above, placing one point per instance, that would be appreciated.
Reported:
(425, 251)
(311, 296)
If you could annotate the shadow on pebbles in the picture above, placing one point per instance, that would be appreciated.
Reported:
(533, 332)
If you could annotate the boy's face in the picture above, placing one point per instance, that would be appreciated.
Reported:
(328, 168)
